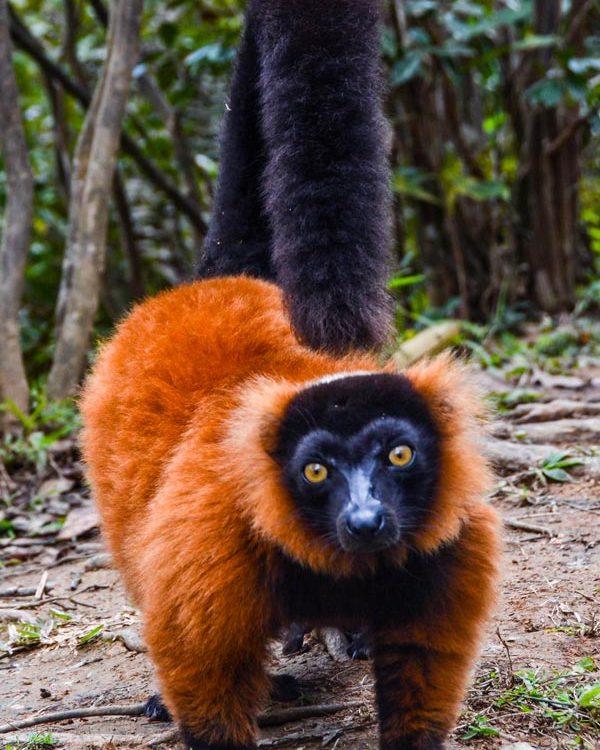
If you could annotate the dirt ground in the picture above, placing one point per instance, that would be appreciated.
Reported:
(535, 682)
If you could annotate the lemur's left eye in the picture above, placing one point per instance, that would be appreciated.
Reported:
(315, 473)
(401, 455)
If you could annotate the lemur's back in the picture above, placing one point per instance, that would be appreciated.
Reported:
(166, 359)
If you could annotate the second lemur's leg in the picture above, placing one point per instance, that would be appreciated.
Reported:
(239, 236)
(326, 180)
(422, 668)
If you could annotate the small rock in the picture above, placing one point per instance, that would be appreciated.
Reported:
(518, 746)
(558, 381)
(97, 562)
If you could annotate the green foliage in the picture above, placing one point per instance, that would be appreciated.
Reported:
(37, 741)
(554, 467)
(480, 727)
(90, 635)
(187, 52)
(30, 633)
(570, 699)
(48, 422)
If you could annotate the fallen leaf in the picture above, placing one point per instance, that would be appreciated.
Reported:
(53, 487)
(80, 521)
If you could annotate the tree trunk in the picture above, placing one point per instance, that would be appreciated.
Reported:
(554, 153)
(93, 175)
(17, 225)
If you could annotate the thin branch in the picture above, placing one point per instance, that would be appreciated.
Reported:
(272, 719)
(128, 237)
(23, 39)
(513, 523)
(172, 122)
(578, 18)
(508, 656)
(566, 135)
(134, 709)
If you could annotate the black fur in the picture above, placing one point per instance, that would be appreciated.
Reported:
(155, 709)
(239, 236)
(293, 639)
(353, 603)
(192, 743)
(351, 430)
(317, 150)
(285, 688)
(359, 646)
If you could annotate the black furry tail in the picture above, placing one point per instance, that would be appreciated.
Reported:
(304, 180)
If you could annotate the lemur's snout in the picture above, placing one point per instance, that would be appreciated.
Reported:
(366, 528)
(365, 523)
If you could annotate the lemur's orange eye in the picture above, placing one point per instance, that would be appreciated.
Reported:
(401, 455)
(315, 473)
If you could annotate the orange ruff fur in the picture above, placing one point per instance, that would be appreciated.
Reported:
(180, 413)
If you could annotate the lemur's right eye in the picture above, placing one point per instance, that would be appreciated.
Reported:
(315, 473)
(401, 455)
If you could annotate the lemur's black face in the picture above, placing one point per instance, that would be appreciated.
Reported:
(360, 455)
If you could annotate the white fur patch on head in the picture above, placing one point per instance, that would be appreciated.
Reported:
(340, 376)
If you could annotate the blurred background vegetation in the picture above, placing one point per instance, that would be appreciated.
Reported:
(495, 126)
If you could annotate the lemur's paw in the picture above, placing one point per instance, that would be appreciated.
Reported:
(156, 710)
(359, 647)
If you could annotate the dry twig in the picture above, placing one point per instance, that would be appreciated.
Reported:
(271, 719)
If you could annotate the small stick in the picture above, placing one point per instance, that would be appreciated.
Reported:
(272, 719)
(297, 713)
(507, 649)
(41, 587)
(53, 599)
(133, 709)
(513, 523)
(16, 591)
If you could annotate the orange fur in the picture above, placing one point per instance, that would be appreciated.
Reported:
(180, 412)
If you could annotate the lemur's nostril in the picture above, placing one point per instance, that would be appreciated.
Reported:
(365, 524)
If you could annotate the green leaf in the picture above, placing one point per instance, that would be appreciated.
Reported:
(561, 460)
(587, 664)
(401, 281)
(590, 697)
(90, 635)
(548, 93)
(494, 21)
(211, 54)
(409, 181)
(536, 41)
(406, 69)
(582, 65)
(557, 475)
(418, 8)
(59, 615)
(484, 190)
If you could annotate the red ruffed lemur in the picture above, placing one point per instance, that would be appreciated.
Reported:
(246, 481)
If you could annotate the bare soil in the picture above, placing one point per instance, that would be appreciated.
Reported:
(547, 623)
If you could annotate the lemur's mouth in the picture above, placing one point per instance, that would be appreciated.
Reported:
(363, 533)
